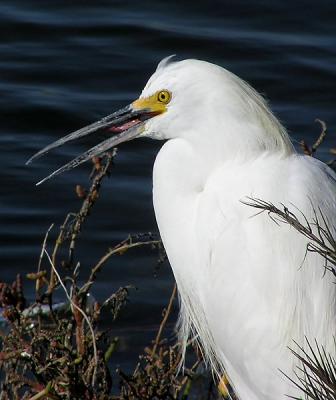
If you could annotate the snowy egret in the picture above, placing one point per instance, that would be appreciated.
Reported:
(247, 290)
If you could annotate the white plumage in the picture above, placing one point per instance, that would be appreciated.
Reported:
(247, 287)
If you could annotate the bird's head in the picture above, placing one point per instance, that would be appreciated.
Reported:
(189, 98)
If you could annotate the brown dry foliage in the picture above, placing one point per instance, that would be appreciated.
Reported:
(58, 351)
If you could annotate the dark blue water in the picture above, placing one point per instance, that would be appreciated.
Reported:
(64, 64)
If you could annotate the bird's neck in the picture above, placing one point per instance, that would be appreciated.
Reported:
(239, 140)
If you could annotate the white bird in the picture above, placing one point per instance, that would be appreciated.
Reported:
(247, 288)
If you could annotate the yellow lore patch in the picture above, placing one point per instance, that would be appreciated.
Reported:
(156, 103)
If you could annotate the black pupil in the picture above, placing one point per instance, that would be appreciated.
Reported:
(163, 96)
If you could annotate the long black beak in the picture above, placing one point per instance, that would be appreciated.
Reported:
(127, 122)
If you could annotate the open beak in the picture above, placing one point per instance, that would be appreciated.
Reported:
(126, 124)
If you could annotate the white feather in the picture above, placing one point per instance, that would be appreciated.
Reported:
(246, 288)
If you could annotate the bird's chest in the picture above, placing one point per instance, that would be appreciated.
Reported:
(210, 236)
(177, 185)
(197, 219)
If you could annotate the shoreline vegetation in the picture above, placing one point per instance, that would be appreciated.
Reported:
(60, 351)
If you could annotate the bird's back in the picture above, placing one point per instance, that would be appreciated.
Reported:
(246, 284)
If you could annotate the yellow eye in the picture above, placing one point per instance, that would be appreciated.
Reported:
(164, 96)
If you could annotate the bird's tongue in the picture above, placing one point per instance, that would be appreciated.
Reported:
(124, 127)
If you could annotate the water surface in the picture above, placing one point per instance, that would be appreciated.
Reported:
(63, 65)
